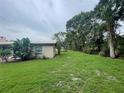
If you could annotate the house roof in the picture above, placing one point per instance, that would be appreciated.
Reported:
(47, 43)
(33, 43)
(44, 43)
(6, 43)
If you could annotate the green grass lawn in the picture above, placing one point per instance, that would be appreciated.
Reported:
(71, 72)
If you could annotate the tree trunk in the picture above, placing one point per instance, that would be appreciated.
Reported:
(112, 42)
(112, 48)
(58, 51)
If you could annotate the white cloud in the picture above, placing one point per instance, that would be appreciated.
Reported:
(120, 30)
(38, 19)
(16, 31)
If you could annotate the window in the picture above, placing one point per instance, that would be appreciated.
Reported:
(38, 50)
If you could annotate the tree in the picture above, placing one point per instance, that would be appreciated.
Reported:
(77, 29)
(110, 11)
(22, 48)
(84, 33)
(60, 41)
(4, 54)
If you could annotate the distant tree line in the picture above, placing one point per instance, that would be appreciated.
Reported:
(95, 31)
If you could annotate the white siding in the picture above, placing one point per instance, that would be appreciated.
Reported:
(48, 51)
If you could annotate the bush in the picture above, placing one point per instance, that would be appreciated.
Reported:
(22, 48)
(90, 51)
(117, 53)
(121, 49)
(44, 57)
(104, 52)
(4, 54)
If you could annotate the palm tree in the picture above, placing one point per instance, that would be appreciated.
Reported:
(110, 11)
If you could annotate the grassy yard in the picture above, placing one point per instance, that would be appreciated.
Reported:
(71, 72)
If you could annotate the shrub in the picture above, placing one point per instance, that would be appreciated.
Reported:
(4, 54)
(90, 51)
(121, 49)
(117, 53)
(104, 52)
(44, 57)
(22, 48)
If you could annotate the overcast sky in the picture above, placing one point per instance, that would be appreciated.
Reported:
(38, 19)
